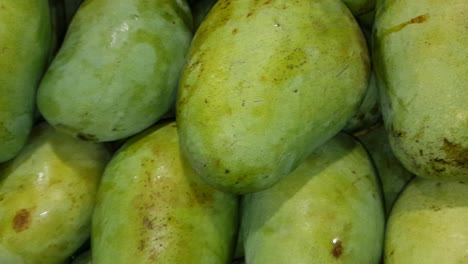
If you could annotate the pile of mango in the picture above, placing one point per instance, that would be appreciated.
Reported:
(233, 131)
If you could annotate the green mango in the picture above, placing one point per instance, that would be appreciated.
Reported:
(25, 41)
(152, 208)
(360, 7)
(329, 210)
(428, 224)
(117, 70)
(393, 176)
(47, 195)
(420, 51)
(266, 82)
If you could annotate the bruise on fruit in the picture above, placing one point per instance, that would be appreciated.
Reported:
(456, 154)
(22, 220)
(416, 20)
(337, 249)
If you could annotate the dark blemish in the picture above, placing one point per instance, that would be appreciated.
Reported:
(204, 165)
(206, 101)
(435, 208)
(456, 154)
(226, 171)
(295, 91)
(421, 152)
(237, 182)
(392, 252)
(438, 184)
(416, 20)
(243, 103)
(337, 249)
(250, 14)
(141, 245)
(22, 220)
(397, 133)
(86, 137)
(354, 172)
(234, 31)
(148, 223)
(267, 2)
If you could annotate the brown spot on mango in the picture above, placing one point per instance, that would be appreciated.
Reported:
(416, 20)
(22, 220)
(337, 249)
(457, 155)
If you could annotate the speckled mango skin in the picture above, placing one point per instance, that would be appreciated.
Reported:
(152, 208)
(266, 82)
(428, 224)
(25, 39)
(420, 60)
(329, 210)
(393, 176)
(117, 70)
(47, 195)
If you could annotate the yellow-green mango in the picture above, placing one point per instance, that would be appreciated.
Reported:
(152, 208)
(25, 40)
(428, 224)
(117, 70)
(393, 176)
(47, 195)
(266, 82)
(420, 54)
(328, 210)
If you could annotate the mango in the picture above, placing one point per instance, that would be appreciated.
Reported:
(267, 82)
(47, 195)
(117, 70)
(25, 40)
(428, 224)
(393, 176)
(152, 207)
(328, 210)
(420, 60)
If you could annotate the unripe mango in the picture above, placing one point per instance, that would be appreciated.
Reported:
(117, 70)
(47, 195)
(428, 224)
(152, 208)
(328, 210)
(25, 42)
(266, 82)
(420, 54)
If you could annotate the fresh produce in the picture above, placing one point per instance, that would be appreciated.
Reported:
(267, 82)
(152, 208)
(420, 53)
(428, 224)
(393, 176)
(116, 72)
(25, 43)
(47, 195)
(328, 210)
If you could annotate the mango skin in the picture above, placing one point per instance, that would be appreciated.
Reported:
(116, 72)
(266, 82)
(152, 208)
(428, 224)
(420, 60)
(25, 39)
(329, 210)
(393, 176)
(47, 197)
